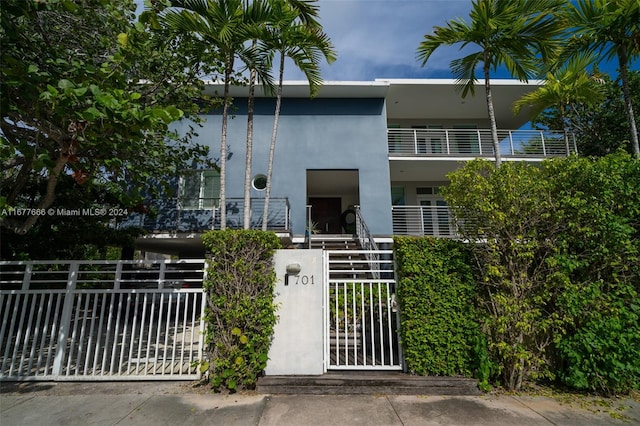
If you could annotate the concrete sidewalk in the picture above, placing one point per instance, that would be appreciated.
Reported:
(145, 403)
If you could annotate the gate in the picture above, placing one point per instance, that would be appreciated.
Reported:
(101, 320)
(361, 311)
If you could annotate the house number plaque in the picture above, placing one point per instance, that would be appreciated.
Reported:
(304, 280)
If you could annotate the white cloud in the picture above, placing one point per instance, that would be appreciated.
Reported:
(378, 38)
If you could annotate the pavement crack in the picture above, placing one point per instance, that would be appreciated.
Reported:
(394, 409)
(533, 409)
(137, 407)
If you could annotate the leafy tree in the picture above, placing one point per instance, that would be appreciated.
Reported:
(597, 201)
(602, 128)
(501, 212)
(96, 108)
(612, 30)
(513, 33)
(68, 234)
(294, 33)
(557, 249)
(563, 88)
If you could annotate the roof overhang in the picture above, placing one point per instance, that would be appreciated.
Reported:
(300, 89)
(413, 99)
(439, 99)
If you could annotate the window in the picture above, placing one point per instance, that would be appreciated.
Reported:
(199, 189)
(259, 182)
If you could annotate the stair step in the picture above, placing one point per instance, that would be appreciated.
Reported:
(367, 383)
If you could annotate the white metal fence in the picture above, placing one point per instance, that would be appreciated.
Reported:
(436, 221)
(361, 311)
(101, 320)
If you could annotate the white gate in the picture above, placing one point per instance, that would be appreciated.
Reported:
(361, 311)
(101, 320)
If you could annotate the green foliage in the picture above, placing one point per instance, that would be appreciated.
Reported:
(439, 328)
(598, 129)
(502, 212)
(76, 235)
(599, 258)
(97, 108)
(240, 312)
(557, 249)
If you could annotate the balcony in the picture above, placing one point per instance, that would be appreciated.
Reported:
(173, 217)
(477, 143)
(435, 221)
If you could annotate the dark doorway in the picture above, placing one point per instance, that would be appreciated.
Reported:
(325, 214)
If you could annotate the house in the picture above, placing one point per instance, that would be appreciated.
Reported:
(373, 150)
(362, 158)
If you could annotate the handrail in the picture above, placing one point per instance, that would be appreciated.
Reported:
(434, 221)
(367, 243)
(309, 228)
(173, 217)
(477, 143)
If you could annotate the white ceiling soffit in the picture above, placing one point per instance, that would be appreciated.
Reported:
(438, 99)
(432, 99)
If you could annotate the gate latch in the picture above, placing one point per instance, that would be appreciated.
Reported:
(394, 303)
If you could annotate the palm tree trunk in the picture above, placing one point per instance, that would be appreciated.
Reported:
(248, 158)
(626, 91)
(223, 143)
(492, 115)
(272, 146)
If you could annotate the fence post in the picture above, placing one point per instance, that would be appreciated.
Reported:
(26, 279)
(511, 142)
(65, 319)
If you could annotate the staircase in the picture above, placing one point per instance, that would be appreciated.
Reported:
(344, 263)
(334, 242)
(367, 383)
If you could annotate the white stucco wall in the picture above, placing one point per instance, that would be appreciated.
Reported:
(297, 347)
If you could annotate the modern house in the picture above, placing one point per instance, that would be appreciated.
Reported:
(375, 151)
(361, 162)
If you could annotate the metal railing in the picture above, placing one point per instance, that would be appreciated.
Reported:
(478, 143)
(366, 241)
(101, 320)
(435, 221)
(174, 217)
(361, 314)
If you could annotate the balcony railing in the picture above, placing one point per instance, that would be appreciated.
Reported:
(478, 143)
(435, 221)
(172, 217)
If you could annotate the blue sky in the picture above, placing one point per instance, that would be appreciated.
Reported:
(379, 38)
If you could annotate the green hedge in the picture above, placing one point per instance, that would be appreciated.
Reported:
(556, 248)
(240, 312)
(439, 329)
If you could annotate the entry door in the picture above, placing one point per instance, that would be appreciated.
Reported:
(435, 218)
(325, 214)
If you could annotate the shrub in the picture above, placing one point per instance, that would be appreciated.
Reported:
(598, 201)
(240, 311)
(439, 331)
(504, 213)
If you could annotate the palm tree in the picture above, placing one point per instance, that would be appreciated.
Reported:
(221, 27)
(564, 87)
(258, 15)
(508, 32)
(295, 34)
(610, 29)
